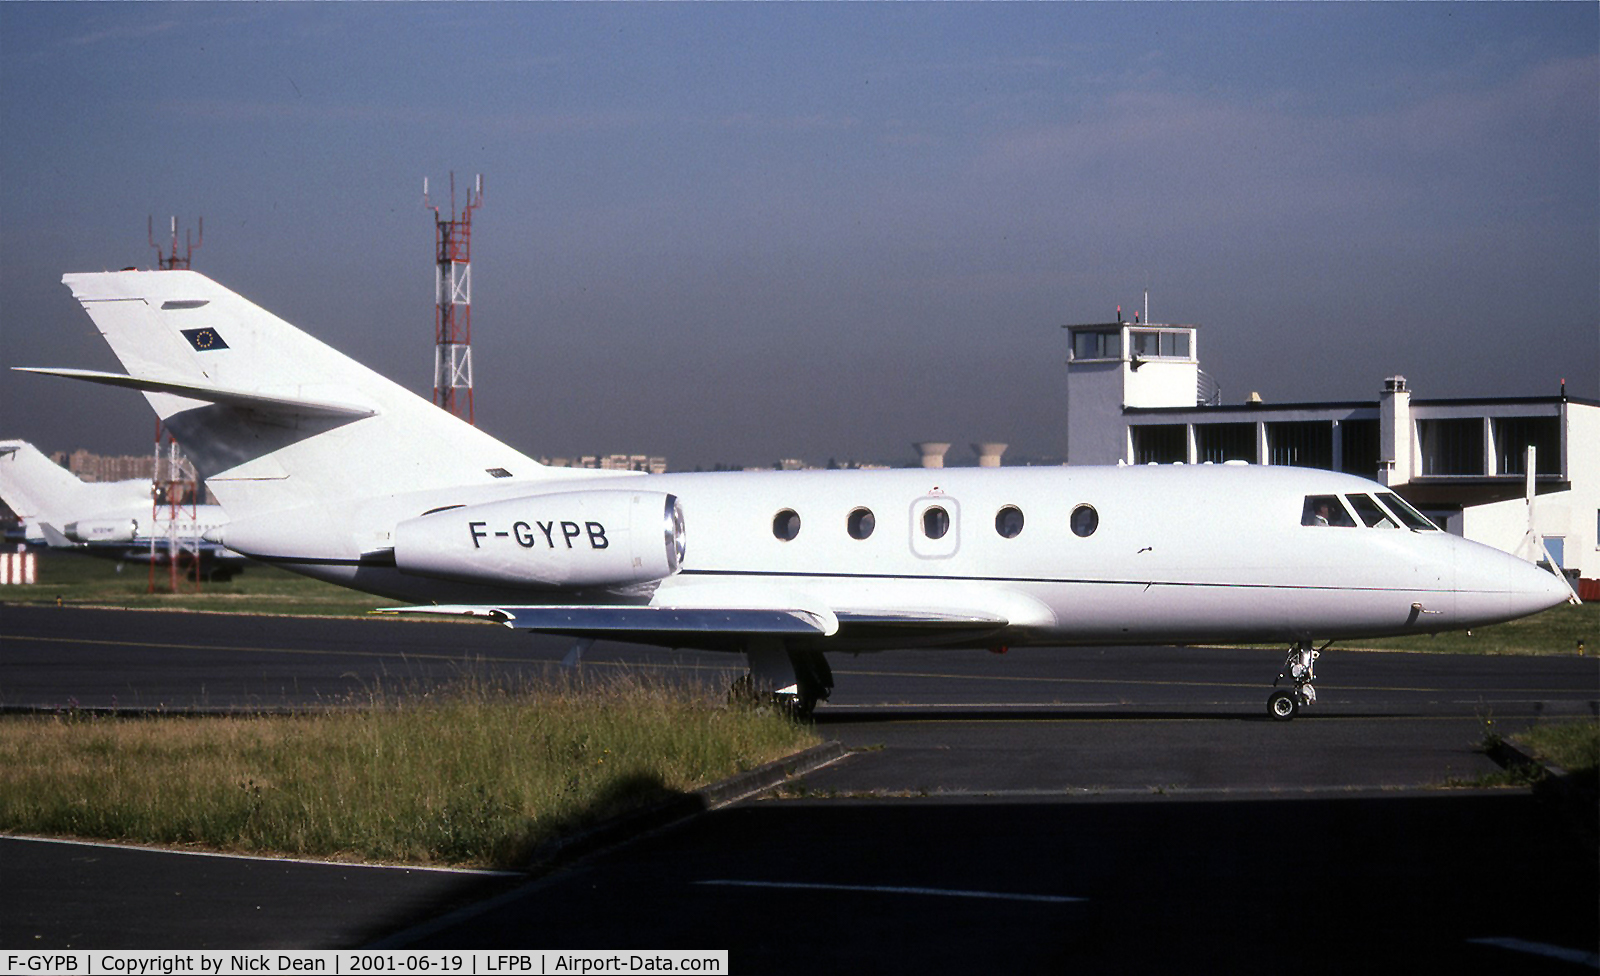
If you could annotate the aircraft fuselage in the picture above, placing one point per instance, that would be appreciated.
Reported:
(1180, 555)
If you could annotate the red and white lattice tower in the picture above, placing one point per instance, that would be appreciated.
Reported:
(175, 495)
(170, 260)
(174, 486)
(452, 289)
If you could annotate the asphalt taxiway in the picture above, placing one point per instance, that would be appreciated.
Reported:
(1127, 808)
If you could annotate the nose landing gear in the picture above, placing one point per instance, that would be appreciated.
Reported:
(1300, 668)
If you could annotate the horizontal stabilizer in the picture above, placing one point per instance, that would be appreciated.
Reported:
(53, 537)
(296, 406)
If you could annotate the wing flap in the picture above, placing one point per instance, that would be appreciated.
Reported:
(602, 620)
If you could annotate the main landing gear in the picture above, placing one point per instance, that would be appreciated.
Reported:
(1299, 667)
(792, 681)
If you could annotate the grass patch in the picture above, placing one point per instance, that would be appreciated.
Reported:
(78, 580)
(1555, 631)
(1574, 746)
(480, 775)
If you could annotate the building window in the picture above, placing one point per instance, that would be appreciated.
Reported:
(1224, 442)
(935, 522)
(1360, 445)
(861, 523)
(1097, 344)
(1084, 521)
(1153, 343)
(1008, 522)
(1451, 447)
(1556, 546)
(1513, 436)
(786, 525)
(1160, 444)
(1304, 444)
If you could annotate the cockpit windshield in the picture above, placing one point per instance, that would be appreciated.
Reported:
(1370, 513)
(1325, 510)
(1410, 516)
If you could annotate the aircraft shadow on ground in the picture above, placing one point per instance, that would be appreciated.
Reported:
(1107, 886)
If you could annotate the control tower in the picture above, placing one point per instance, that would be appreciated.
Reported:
(1113, 365)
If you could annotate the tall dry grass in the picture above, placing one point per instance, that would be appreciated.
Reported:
(480, 774)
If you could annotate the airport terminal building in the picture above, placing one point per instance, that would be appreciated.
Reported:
(1136, 395)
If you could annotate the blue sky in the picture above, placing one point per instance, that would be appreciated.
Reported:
(733, 233)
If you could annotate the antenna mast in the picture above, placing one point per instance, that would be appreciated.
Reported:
(452, 292)
(170, 261)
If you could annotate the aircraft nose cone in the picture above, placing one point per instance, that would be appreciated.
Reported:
(1494, 586)
(1534, 588)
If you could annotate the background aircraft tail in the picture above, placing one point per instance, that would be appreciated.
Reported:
(272, 418)
(42, 491)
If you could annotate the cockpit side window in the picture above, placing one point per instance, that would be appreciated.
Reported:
(1370, 513)
(1325, 510)
(1410, 516)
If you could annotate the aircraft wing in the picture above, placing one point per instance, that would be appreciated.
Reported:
(620, 621)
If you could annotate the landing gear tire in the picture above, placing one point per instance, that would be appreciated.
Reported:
(1299, 668)
(798, 707)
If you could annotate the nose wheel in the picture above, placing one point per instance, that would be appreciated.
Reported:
(1300, 669)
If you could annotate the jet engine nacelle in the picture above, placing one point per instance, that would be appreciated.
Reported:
(101, 530)
(602, 538)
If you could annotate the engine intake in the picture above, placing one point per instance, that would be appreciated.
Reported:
(561, 540)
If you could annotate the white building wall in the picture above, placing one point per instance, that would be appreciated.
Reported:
(1160, 383)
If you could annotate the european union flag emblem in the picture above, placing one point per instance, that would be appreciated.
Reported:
(204, 340)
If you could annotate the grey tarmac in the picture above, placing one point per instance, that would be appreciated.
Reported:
(1046, 810)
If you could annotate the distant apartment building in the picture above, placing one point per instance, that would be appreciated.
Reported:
(610, 462)
(99, 467)
(175, 470)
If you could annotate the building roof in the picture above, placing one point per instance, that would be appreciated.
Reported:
(1263, 407)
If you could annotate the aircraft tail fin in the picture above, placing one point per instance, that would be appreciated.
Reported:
(39, 490)
(271, 417)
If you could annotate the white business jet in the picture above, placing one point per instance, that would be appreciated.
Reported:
(328, 469)
(118, 520)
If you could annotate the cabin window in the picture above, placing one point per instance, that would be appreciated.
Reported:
(1008, 522)
(935, 522)
(1325, 510)
(1410, 516)
(861, 523)
(786, 525)
(1370, 513)
(1084, 521)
